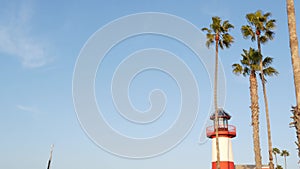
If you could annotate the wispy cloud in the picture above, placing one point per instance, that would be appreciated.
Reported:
(17, 40)
(28, 109)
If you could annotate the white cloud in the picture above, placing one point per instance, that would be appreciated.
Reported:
(17, 40)
(28, 109)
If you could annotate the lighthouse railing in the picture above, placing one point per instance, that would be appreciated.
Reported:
(223, 129)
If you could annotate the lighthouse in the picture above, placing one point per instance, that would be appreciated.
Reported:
(225, 132)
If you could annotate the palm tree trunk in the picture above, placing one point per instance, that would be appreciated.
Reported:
(255, 119)
(285, 162)
(276, 160)
(296, 65)
(216, 103)
(271, 164)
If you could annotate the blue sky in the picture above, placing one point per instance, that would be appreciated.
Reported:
(40, 42)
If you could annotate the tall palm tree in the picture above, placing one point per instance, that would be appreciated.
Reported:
(296, 67)
(275, 152)
(250, 66)
(285, 153)
(218, 33)
(260, 29)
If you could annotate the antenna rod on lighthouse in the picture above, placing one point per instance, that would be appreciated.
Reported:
(50, 158)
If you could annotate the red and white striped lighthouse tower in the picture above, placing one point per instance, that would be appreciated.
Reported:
(225, 132)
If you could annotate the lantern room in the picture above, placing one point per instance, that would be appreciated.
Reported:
(224, 129)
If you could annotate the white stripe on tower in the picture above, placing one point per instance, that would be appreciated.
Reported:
(225, 149)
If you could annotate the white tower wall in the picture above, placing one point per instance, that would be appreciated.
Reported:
(225, 148)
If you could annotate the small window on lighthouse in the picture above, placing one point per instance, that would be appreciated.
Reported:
(223, 123)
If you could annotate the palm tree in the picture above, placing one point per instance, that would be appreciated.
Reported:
(260, 30)
(250, 66)
(279, 167)
(218, 33)
(285, 153)
(296, 67)
(275, 152)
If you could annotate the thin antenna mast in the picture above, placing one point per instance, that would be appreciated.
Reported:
(50, 159)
